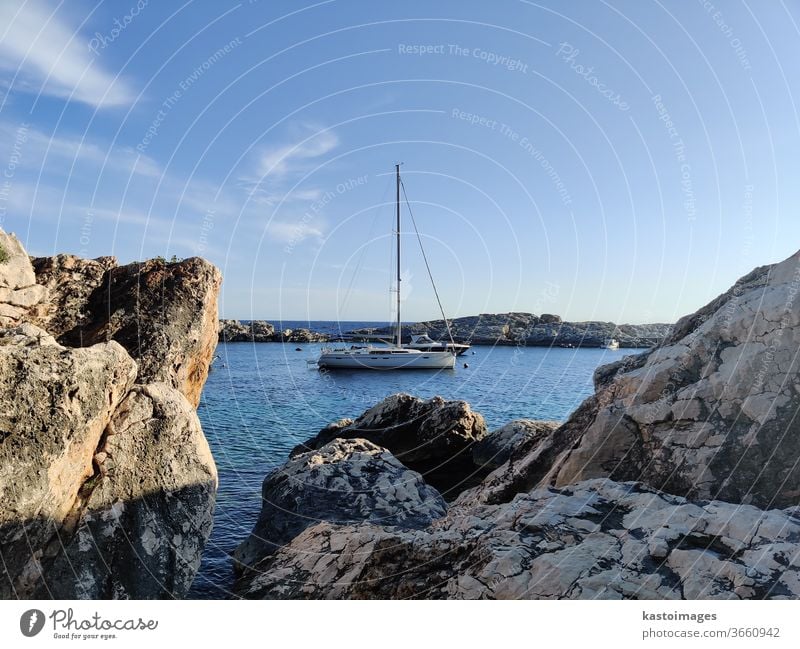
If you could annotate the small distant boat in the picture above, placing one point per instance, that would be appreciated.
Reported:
(392, 356)
(611, 343)
(424, 343)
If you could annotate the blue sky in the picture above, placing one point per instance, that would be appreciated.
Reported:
(621, 161)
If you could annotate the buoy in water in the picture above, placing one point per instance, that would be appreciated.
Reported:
(298, 349)
(466, 365)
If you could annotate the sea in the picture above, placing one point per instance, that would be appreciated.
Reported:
(262, 399)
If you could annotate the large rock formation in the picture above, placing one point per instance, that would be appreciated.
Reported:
(19, 292)
(151, 497)
(106, 488)
(710, 414)
(596, 540)
(434, 437)
(346, 481)
(164, 314)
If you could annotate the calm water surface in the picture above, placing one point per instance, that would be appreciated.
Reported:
(263, 399)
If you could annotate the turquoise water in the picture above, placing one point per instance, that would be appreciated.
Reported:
(263, 399)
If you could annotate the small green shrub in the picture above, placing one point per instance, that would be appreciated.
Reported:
(3, 255)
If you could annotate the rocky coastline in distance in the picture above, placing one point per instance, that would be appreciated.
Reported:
(520, 329)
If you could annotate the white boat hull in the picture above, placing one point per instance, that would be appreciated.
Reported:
(386, 361)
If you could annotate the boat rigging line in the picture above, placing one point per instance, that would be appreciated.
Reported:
(427, 265)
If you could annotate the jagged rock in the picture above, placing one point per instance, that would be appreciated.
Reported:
(345, 481)
(259, 328)
(55, 404)
(712, 414)
(434, 437)
(302, 336)
(595, 540)
(141, 522)
(70, 282)
(495, 449)
(233, 331)
(19, 292)
(549, 318)
(164, 314)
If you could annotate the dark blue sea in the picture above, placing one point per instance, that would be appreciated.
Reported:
(261, 399)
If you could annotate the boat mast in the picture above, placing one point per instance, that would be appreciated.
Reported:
(399, 338)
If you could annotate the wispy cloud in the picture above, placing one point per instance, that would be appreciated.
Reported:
(258, 194)
(273, 166)
(47, 55)
(276, 169)
(281, 160)
(293, 232)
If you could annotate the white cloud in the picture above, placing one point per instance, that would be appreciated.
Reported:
(270, 180)
(293, 232)
(281, 160)
(47, 55)
(262, 196)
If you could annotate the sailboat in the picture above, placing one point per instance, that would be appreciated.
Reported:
(392, 356)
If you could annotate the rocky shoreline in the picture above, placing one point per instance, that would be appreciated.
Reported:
(519, 329)
(107, 483)
(677, 479)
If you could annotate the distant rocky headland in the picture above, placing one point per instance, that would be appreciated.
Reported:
(107, 483)
(522, 329)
